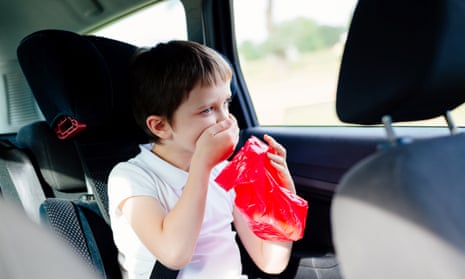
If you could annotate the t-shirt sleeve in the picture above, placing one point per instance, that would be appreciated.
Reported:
(215, 172)
(128, 180)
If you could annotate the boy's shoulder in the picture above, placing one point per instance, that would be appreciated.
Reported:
(134, 163)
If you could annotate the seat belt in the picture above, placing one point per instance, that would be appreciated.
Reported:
(160, 271)
(22, 182)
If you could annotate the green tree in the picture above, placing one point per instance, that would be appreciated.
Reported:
(302, 34)
(251, 51)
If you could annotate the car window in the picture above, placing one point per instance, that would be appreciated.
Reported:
(159, 22)
(290, 52)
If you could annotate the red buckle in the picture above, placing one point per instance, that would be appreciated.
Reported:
(67, 127)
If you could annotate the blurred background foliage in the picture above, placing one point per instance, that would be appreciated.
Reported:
(296, 36)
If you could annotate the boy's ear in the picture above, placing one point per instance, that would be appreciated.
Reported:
(158, 126)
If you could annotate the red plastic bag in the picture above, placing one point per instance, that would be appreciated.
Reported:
(272, 211)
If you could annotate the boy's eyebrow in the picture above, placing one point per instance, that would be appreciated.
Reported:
(206, 104)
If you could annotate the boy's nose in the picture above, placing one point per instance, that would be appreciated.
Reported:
(222, 115)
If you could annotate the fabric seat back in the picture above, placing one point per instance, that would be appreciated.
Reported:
(399, 213)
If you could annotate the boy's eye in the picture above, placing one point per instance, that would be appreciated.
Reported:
(208, 110)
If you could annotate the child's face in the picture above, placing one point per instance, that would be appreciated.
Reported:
(204, 107)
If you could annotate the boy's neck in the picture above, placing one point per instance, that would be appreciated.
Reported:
(179, 160)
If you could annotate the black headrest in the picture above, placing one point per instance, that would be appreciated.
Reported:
(80, 77)
(402, 58)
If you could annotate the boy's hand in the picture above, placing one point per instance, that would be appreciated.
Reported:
(218, 142)
(277, 156)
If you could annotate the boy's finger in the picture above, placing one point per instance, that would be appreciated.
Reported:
(270, 140)
(276, 158)
(219, 127)
(275, 145)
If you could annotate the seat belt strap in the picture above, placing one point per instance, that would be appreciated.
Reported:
(160, 271)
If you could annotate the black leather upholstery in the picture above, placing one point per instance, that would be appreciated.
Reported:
(62, 174)
(404, 59)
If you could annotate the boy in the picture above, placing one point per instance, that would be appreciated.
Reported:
(164, 203)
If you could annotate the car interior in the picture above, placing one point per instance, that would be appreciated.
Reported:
(410, 193)
(86, 125)
(384, 199)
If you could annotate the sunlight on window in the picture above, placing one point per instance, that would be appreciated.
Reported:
(290, 51)
(160, 22)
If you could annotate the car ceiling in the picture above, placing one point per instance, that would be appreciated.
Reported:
(19, 18)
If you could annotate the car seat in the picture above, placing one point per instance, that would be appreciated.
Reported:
(32, 169)
(60, 176)
(399, 213)
(20, 182)
(80, 85)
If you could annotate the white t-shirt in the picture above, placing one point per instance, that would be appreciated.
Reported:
(216, 254)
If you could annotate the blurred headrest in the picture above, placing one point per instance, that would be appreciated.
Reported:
(79, 81)
(402, 58)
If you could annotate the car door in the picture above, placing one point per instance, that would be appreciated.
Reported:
(320, 148)
(317, 156)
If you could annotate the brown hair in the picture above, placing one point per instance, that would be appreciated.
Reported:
(163, 76)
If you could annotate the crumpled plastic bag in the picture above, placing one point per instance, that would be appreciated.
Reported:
(272, 211)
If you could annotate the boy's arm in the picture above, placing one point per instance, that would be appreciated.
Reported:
(172, 236)
(271, 257)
